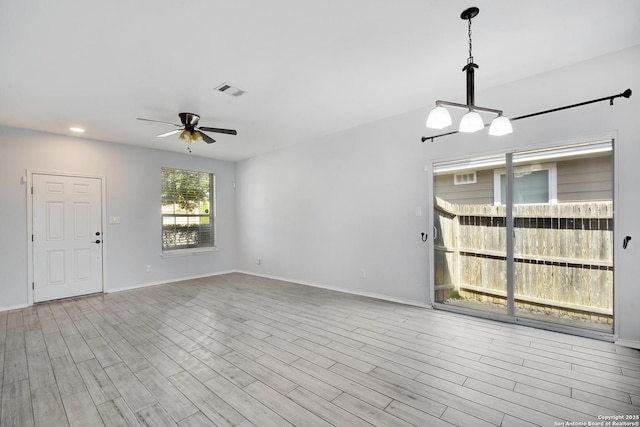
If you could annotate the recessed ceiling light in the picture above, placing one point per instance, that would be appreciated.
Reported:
(76, 129)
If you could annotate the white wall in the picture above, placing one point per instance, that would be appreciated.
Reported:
(321, 212)
(324, 211)
(132, 192)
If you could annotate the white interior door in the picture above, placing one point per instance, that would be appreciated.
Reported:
(67, 236)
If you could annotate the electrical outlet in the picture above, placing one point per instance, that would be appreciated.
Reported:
(363, 273)
(259, 261)
(148, 268)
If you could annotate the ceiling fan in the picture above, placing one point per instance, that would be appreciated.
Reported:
(189, 129)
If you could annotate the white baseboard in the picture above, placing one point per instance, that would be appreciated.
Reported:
(628, 343)
(344, 290)
(284, 279)
(13, 307)
(164, 282)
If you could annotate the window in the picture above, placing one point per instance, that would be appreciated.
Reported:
(188, 210)
(463, 178)
(532, 184)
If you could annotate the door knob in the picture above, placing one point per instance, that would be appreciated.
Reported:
(97, 241)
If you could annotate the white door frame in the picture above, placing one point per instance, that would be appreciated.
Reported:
(30, 263)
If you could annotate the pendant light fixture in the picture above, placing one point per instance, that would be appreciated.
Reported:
(440, 118)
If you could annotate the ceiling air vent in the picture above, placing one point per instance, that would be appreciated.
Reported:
(227, 89)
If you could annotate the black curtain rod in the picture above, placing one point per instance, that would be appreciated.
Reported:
(625, 94)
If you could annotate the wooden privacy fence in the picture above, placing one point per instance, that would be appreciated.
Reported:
(563, 255)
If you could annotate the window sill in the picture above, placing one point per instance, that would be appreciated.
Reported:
(188, 252)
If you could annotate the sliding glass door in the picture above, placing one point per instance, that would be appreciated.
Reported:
(469, 236)
(563, 235)
(528, 235)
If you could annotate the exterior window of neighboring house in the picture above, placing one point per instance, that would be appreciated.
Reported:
(533, 184)
(188, 211)
(463, 178)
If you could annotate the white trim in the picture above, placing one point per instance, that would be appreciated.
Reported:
(530, 152)
(462, 164)
(103, 201)
(284, 279)
(165, 282)
(188, 252)
(553, 181)
(628, 343)
(13, 307)
(414, 303)
(431, 228)
(617, 237)
(572, 150)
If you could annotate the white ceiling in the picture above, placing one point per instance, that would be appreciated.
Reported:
(309, 68)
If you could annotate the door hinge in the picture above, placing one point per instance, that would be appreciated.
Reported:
(33, 285)
(32, 190)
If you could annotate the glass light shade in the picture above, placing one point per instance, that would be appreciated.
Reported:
(501, 125)
(438, 118)
(471, 122)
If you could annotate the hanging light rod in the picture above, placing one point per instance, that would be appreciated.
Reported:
(626, 94)
(440, 103)
(440, 118)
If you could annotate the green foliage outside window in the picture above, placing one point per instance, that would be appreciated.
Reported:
(187, 201)
(185, 188)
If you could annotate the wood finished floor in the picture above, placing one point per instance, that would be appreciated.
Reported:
(240, 350)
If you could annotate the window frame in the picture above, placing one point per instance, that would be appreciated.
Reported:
(473, 178)
(212, 201)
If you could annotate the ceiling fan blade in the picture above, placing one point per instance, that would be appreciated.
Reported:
(157, 121)
(207, 138)
(173, 132)
(218, 130)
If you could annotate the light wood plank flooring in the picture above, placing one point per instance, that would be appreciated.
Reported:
(238, 350)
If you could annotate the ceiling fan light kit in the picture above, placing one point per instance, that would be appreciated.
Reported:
(439, 117)
(190, 136)
(190, 131)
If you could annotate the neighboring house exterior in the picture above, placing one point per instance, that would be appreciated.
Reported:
(579, 178)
